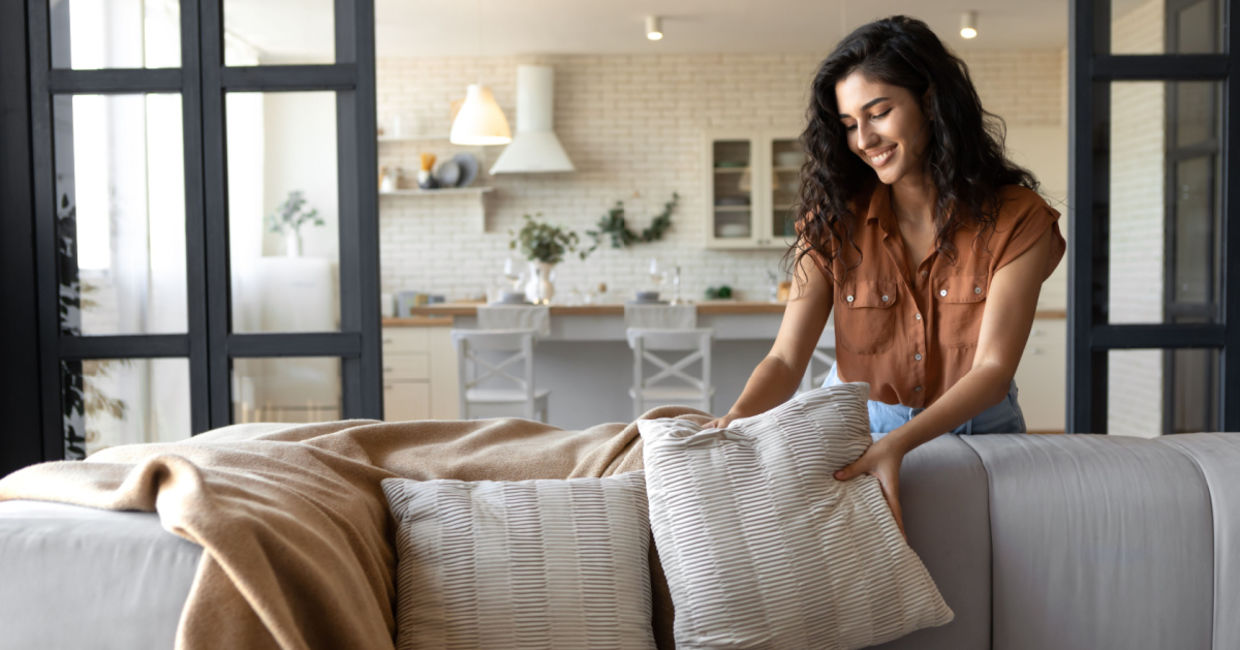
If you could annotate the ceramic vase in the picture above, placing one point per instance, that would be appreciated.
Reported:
(292, 243)
(540, 287)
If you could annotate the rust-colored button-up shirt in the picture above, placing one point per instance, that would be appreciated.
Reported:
(910, 329)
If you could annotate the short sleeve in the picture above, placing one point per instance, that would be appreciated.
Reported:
(1024, 217)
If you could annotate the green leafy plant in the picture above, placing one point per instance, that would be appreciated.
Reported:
(293, 213)
(79, 399)
(614, 226)
(543, 242)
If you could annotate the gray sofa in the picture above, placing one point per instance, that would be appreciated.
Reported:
(1036, 542)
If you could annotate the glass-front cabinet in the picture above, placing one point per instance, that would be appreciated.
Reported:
(752, 181)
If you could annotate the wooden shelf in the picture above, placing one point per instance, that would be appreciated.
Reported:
(447, 190)
(414, 138)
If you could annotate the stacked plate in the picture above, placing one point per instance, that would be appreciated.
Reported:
(459, 171)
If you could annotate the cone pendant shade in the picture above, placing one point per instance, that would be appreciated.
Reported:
(480, 121)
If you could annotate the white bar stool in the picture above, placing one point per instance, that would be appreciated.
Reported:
(654, 331)
(478, 371)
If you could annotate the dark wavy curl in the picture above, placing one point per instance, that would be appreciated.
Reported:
(964, 157)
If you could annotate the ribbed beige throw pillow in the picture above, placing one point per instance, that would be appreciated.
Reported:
(529, 564)
(763, 548)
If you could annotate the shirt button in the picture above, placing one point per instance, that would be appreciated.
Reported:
(917, 357)
(885, 298)
(917, 316)
(917, 389)
(977, 289)
(849, 299)
(942, 292)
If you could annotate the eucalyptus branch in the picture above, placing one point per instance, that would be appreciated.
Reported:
(614, 226)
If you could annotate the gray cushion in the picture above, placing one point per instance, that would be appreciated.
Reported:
(1218, 456)
(944, 496)
(74, 577)
(1098, 542)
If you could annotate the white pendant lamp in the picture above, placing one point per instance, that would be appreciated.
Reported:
(480, 120)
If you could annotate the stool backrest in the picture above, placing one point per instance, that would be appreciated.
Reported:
(513, 317)
(474, 368)
(647, 342)
(660, 316)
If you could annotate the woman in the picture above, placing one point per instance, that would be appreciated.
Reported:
(930, 243)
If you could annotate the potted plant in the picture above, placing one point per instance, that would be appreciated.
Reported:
(544, 245)
(288, 219)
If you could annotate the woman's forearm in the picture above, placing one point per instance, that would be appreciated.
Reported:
(980, 388)
(771, 384)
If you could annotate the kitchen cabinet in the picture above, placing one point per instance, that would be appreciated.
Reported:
(419, 374)
(1042, 376)
(752, 180)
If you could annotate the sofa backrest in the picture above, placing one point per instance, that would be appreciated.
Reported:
(1078, 542)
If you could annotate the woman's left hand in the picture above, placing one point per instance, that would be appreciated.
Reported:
(883, 462)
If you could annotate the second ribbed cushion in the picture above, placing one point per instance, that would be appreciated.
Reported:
(527, 564)
(762, 547)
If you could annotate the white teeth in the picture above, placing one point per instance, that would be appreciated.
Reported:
(882, 157)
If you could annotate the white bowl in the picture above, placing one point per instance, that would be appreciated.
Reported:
(789, 159)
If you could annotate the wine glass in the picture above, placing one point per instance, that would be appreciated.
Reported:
(676, 300)
(512, 272)
(657, 274)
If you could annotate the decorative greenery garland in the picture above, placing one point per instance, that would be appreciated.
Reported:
(614, 226)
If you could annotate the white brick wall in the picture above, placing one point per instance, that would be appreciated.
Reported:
(1134, 401)
(630, 123)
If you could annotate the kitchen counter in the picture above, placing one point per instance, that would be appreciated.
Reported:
(587, 365)
(707, 307)
(731, 320)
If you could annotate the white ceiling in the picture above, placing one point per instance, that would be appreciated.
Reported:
(501, 28)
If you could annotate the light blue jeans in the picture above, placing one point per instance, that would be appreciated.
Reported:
(1004, 417)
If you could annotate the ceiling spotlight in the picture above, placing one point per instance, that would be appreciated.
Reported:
(968, 24)
(654, 28)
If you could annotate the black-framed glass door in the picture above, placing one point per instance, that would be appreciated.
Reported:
(205, 221)
(1153, 289)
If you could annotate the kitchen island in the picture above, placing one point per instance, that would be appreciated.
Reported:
(585, 361)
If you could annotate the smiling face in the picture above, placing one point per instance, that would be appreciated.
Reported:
(885, 126)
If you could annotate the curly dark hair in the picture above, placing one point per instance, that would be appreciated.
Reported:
(964, 157)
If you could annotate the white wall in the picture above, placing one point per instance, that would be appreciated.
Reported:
(634, 123)
(1135, 381)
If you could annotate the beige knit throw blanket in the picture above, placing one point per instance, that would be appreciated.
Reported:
(297, 539)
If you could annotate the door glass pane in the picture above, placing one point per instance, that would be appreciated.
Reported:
(261, 32)
(1165, 210)
(1198, 112)
(787, 156)
(120, 214)
(110, 402)
(732, 165)
(286, 389)
(1166, 26)
(95, 34)
(1153, 392)
(1194, 297)
(282, 211)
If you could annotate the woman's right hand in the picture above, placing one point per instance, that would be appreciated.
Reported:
(721, 422)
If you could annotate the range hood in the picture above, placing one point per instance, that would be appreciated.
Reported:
(534, 147)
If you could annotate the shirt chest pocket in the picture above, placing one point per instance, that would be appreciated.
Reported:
(865, 323)
(961, 299)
